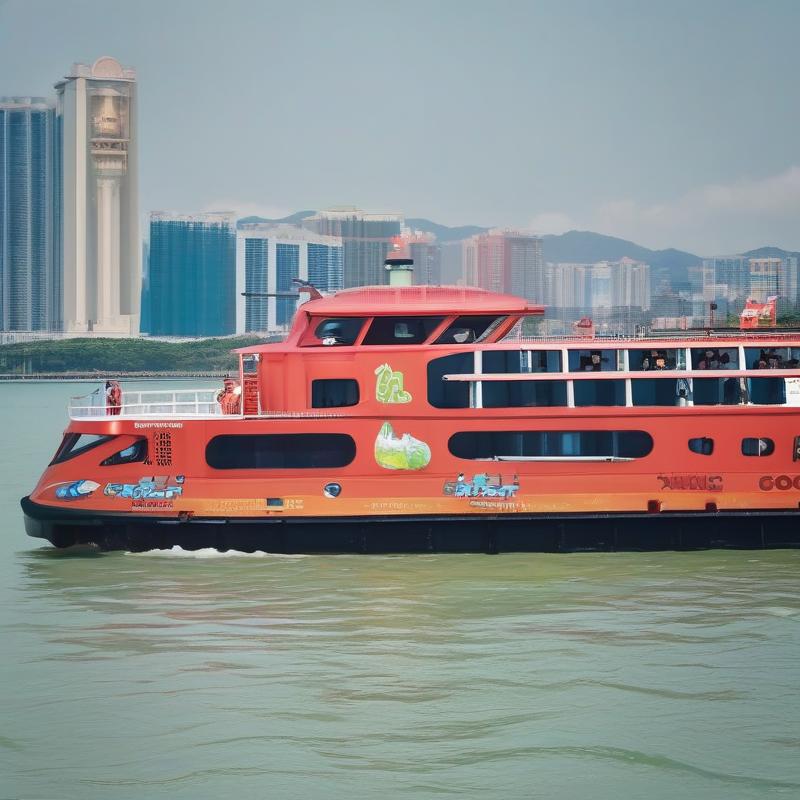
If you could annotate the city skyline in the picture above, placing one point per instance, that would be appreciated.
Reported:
(626, 135)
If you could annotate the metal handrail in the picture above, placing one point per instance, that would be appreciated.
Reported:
(161, 403)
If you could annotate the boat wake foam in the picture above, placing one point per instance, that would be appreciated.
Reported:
(211, 552)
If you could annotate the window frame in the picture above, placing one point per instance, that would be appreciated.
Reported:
(770, 446)
(139, 455)
(299, 444)
(559, 446)
(349, 380)
(701, 451)
(497, 322)
(67, 451)
(423, 319)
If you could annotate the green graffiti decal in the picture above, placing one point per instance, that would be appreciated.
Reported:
(389, 386)
(404, 452)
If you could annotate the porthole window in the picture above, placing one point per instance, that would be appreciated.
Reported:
(702, 445)
(752, 446)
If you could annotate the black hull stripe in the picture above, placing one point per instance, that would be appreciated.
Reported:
(420, 534)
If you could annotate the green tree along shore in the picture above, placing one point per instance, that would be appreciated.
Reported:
(122, 355)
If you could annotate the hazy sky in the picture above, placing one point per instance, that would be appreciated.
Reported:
(672, 123)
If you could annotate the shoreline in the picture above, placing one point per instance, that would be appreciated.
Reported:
(56, 377)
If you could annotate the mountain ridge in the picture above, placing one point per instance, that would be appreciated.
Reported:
(580, 247)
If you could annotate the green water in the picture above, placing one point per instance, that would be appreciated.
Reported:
(670, 675)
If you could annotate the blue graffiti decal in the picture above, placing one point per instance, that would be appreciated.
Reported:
(76, 490)
(482, 485)
(156, 488)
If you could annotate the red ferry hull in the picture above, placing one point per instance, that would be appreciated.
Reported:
(419, 534)
(342, 442)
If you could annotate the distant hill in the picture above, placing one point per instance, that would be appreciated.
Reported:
(582, 247)
(587, 247)
(292, 219)
(442, 232)
(770, 252)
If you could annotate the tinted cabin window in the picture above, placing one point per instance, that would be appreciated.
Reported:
(339, 330)
(281, 451)
(130, 455)
(449, 394)
(469, 329)
(334, 392)
(401, 330)
(523, 394)
(508, 445)
(655, 359)
(760, 358)
(702, 446)
(716, 391)
(715, 358)
(600, 393)
(767, 391)
(521, 361)
(595, 360)
(73, 444)
(757, 447)
(661, 392)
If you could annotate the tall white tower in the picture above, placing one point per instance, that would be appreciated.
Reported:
(101, 255)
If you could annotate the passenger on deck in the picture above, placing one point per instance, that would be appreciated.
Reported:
(229, 397)
(113, 398)
(592, 363)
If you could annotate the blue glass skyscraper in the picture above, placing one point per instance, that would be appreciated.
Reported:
(269, 257)
(29, 216)
(192, 275)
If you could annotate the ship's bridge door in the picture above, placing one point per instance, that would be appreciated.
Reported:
(250, 398)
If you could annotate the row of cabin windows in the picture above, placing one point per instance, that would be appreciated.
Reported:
(327, 451)
(405, 330)
(344, 392)
(605, 392)
(751, 446)
(468, 329)
(334, 450)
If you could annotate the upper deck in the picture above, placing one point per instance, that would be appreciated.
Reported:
(328, 363)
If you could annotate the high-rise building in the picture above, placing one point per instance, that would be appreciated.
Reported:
(615, 294)
(96, 122)
(506, 261)
(789, 284)
(192, 274)
(630, 283)
(29, 216)
(426, 253)
(452, 261)
(366, 239)
(725, 277)
(268, 258)
(764, 278)
(736, 278)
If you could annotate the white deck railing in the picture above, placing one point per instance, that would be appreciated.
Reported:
(177, 403)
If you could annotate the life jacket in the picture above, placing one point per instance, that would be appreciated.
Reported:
(229, 398)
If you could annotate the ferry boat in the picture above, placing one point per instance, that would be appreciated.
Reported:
(408, 418)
